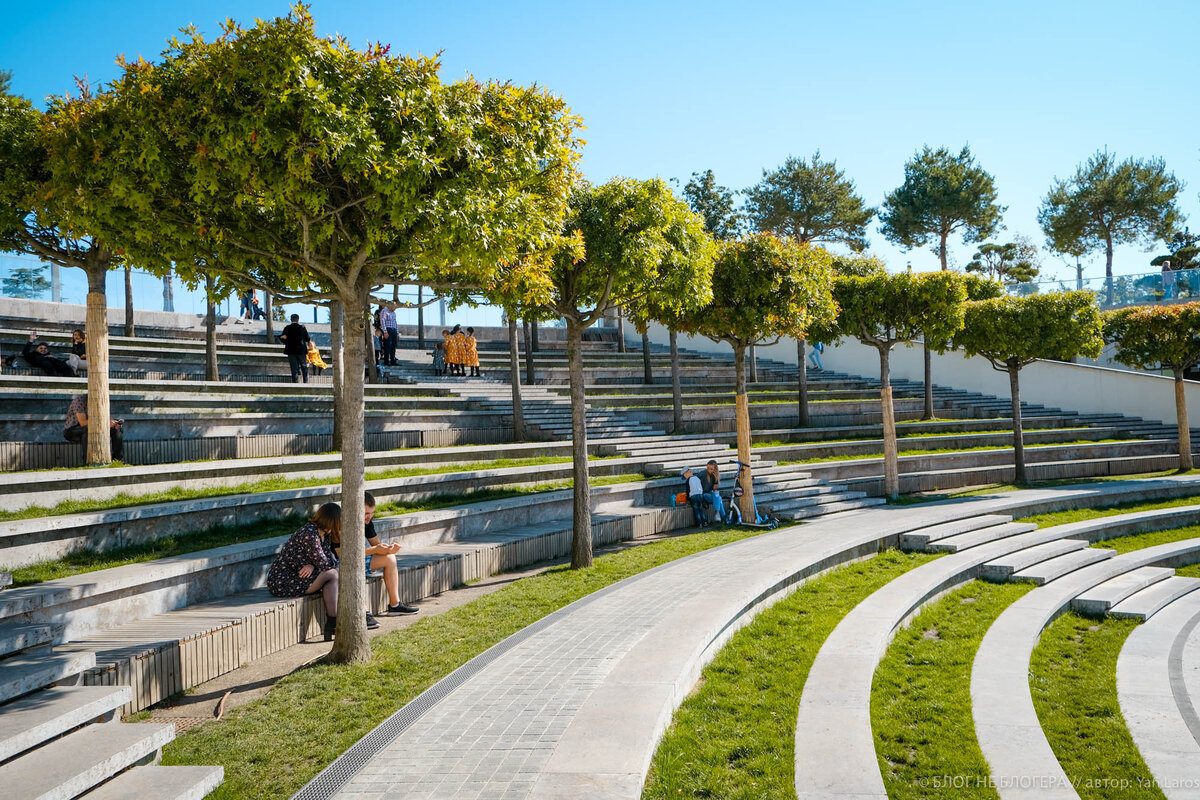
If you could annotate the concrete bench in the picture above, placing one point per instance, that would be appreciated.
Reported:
(1006, 723)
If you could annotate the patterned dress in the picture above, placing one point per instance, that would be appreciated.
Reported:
(306, 546)
(451, 349)
(471, 357)
(460, 347)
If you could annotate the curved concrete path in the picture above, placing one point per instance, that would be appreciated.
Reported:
(1023, 765)
(1149, 690)
(574, 705)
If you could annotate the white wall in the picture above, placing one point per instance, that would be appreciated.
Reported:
(1071, 387)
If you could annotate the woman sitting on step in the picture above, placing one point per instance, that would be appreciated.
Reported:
(306, 563)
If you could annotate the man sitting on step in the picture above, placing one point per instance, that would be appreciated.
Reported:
(383, 557)
(695, 493)
(75, 426)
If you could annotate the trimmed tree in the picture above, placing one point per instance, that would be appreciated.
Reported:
(1014, 262)
(770, 288)
(310, 165)
(1013, 332)
(885, 310)
(628, 242)
(1106, 203)
(809, 201)
(1160, 337)
(942, 194)
(37, 217)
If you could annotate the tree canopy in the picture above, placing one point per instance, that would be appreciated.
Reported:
(1014, 262)
(714, 203)
(1109, 202)
(810, 201)
(942, 194)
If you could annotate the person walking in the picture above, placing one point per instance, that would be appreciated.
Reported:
(814, 356)
(295, 345)
(387, 322)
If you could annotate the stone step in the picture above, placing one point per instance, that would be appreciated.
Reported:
(1002, 569)
(1099, 599)
(788, 505)
(40, 717)
(830, 508)
(919, 539)
(953, 544)
(161, 783)
(14, 638)
(1145, 603)
(1054, 568)
(68, 767)
(23, 674)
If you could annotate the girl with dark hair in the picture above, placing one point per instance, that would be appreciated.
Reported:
(472, 353)
(306, 563)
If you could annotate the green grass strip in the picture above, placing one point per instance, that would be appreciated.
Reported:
(1082, 514)
(943, 451)
(998, 488)
(271, 485)
(271, 747)
(734, 736)
(1073, 678)
(90, 561)
(921, 697)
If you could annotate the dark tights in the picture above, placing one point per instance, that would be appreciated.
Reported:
(327, 584)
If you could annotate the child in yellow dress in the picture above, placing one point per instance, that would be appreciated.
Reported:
(471, 356)
(314, 359)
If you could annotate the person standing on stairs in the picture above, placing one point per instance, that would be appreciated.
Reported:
(306, 563)
(382, 556)
(295, 345)
(458, 340)
(387, 322)
(471, 354)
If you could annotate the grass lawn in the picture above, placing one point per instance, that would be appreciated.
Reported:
(921, 697)
(943, 451)
(271, 485)
(996, 488)
(1073, 678)
(90, 561)
(734, 736)
(1081, 514)
(271, 747)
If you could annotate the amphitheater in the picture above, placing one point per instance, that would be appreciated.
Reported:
(576, 705)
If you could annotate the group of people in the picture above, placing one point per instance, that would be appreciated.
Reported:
(308, 563)
(457, 352)
(38, 356)
(387, 335)
(704, 491)
(301, 351)
(249, 308)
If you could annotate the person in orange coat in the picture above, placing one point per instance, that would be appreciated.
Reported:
(471, 358)
(451, 348)
(459, 337)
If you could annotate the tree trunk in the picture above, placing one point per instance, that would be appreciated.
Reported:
(802, 382)
(421, 317)
(1181, 420)
(753, 364)
(648, 371)
(942, 250)
(581, 538)
(928, 413)
(530, 378)
(337, 347)
(351, 644)
(369, 343)
(676, 391)
(269, 314)
(535, 346)
(514, 377)
(168, 292)
(1108, 261)
(743, 435)
(1014, 390)
(211, 372)
(620, 330)
(99, 445)
(891, 460)
(129, 301)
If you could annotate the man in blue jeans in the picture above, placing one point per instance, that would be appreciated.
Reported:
(695, 492)
(295, 345)
(387, 323)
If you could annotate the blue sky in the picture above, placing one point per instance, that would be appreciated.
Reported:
(667, 89)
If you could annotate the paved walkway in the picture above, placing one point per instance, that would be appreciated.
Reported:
(574, 706)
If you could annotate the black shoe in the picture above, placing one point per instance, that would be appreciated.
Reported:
(401, 608)
(330, 628)
(372, 623)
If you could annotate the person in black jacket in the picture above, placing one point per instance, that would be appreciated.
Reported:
(295, 344)
(38, 356)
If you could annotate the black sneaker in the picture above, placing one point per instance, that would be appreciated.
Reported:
(372, 623)
(401, 608)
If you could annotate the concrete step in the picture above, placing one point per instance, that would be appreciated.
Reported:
(830, 508)
(23, 674)
(1002, 569)
(953, 544)
(68, 767)
(1054, 568)
(42, 716)
(15, 638)
(920, 539)
(1099, 599)
(1147, 602)
(161, 783)
(791, 504)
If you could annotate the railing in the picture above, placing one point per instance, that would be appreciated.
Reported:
(1126, 290)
